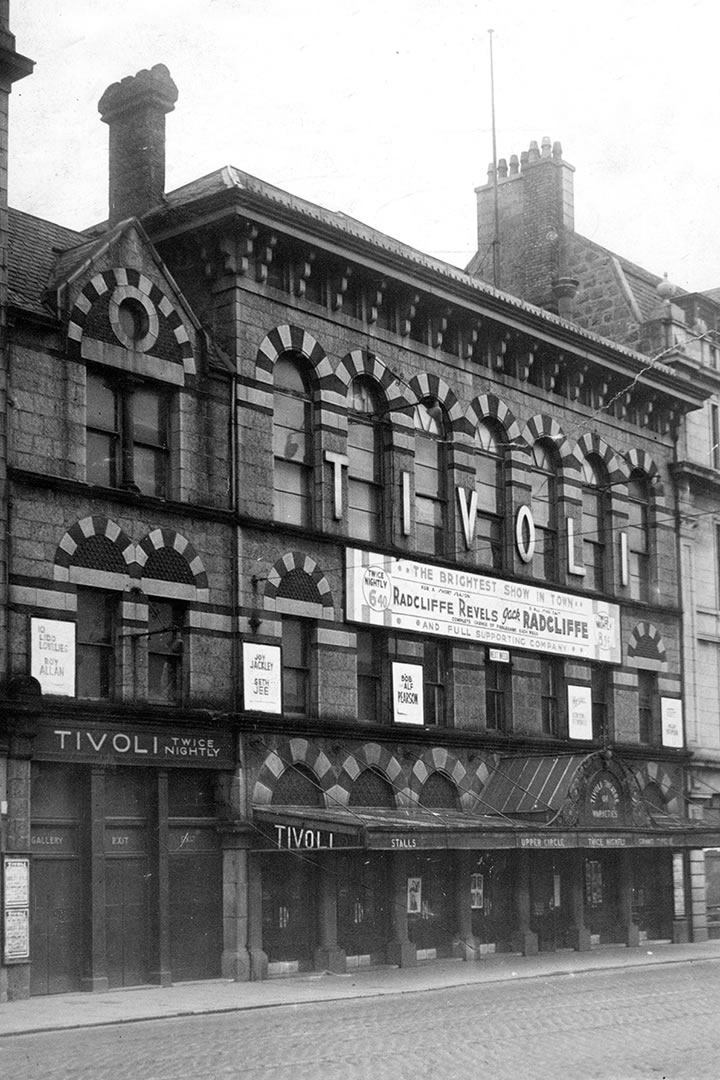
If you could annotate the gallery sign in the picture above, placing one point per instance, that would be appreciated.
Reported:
(262, 682)
(52, 656)
(404, 595)
(135, 744)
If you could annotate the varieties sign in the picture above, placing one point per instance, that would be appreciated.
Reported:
(406, 595)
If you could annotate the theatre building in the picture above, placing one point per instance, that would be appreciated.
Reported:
(342, 623)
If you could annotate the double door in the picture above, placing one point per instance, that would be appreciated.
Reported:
(126, 879)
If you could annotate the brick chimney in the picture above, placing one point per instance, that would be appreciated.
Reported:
(135, 110)
(536, 213)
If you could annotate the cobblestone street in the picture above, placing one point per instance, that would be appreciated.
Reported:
(609, 1025)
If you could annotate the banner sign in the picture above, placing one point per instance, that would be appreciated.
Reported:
(404, 595)
(52, 656)
(262, 667)
(135, 744)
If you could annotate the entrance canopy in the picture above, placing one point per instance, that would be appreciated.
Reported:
(297, 828)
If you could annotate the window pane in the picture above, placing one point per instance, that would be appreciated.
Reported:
(150, 470)
(165, 621)
(292, 493)
(101, 459)
(95, 652)
(296, 666)
(148, 412)
(100, 405)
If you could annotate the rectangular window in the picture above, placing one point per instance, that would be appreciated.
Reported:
(429, 496)
(435, 664)
(432, 655)
(497, 695)
(95, 644)
(165, 651)
(550, 685)
(127, 435)
(364, 490)
(647, 706)
(369, 676)
(714, 437)
(296, 666)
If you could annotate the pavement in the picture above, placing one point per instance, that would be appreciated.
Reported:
(131, 1005)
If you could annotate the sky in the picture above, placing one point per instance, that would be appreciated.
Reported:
(382, 109)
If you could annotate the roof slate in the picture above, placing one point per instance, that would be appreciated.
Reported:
(34, 245)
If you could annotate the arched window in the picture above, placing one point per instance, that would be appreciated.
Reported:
(297, 787)
(364, 461)
(430, 477)
(639, 536)
(594, 523)
(371, 789)
(292, 443)
(439, 793)
(543, 482)
(490, 490)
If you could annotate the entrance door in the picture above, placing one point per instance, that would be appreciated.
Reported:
(196, 908)
(56, 942)
(432, 883)
(128, 873)
(653, 894)
(126, 920)
(550, 900)
(363, 905)
(602, 897)
(289, 893)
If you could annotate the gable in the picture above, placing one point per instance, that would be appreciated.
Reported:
(126, 313)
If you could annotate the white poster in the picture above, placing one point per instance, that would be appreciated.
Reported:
(672, 724)
(52, 656)
(414, 895)
(262, 683)
(477, 892)
(408, 694)
(579, 712)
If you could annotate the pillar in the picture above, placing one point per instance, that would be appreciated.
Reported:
(161, 972)
(235, 961)
(630, 932)
(400, 950)
(698, 896)
(96, 977)
(258, 956)
(466, 945)
(328, 957)
(525, 941)
(579, 933)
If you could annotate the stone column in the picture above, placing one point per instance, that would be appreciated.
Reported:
(328, 957)
(400, 950)
(525, 941)
(96, 977)
(630, 931)
(698, 896)
(235, 963)
(466, 945)
(579, 933)
(258, 956)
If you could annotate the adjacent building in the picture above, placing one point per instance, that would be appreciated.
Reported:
(542, 258)
(343, 621)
